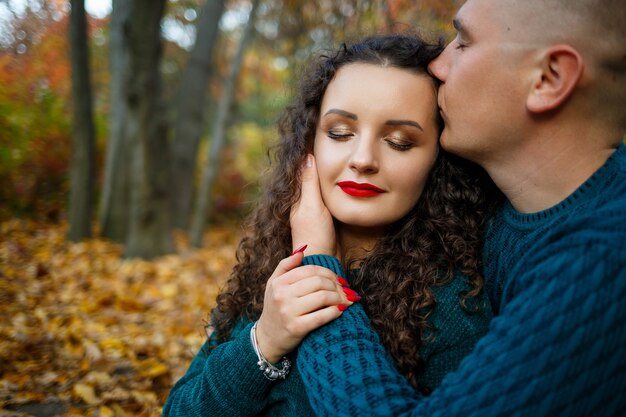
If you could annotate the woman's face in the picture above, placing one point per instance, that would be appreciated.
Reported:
(375, 143)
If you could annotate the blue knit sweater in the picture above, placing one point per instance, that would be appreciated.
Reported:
(226, 380)
(557, 346)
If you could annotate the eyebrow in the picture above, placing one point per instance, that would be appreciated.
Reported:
(342, 113)
(404, 123)
(458, 25)
(388, 122)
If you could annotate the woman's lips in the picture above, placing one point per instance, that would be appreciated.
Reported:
(356, 189)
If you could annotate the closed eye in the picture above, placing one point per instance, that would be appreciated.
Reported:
(399, 143)
(338, 135)
(460, 44)
(462, 34)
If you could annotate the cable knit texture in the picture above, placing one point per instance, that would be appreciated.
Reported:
(227, 381)
(557, 346)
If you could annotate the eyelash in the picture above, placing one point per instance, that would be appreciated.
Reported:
(402, 147)
(460, 45)
(337, 136)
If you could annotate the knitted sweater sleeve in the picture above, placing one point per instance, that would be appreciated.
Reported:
(557, 348)
(224, 381)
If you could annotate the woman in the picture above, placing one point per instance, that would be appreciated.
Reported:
(407, 218)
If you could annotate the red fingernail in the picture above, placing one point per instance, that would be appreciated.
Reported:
(351, 294)
(300, 249)
(341, 307)
(349, 291)
(343, 282)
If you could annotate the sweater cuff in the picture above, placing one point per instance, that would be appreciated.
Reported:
(239, 369)
(325, 261)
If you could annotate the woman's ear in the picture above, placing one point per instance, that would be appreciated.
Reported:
(561, 67)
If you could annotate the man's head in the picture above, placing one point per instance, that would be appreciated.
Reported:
(519, 68)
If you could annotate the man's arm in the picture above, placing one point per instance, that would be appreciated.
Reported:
(557, 348)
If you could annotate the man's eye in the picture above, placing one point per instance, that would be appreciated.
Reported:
(460, 44)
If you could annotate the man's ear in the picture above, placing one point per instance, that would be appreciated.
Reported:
(561, 67)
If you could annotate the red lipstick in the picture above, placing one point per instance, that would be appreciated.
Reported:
(356, 189)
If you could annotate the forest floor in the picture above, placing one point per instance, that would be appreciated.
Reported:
(84, 332)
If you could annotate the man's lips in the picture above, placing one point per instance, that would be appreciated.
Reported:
(443, 116)
(356, 189)
(441, 111)
(440, 103)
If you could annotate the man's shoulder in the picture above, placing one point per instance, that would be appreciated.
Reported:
(596, 212)
(602, 223)
(591, 239)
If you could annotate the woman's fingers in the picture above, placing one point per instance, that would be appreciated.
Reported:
(319, 300)
(313, 284)
(312, 311)
(306, 271)
(288, 264)
(310, 196)
(310, 220)
(318, 318)
(301, 293)
(306, 323)
(298, 299)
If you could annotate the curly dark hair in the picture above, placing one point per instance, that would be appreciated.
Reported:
(440, 235)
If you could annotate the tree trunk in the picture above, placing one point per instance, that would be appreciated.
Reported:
(114, 202)
(191, 108)
(83, 143)
(203, 201)
(150, 226)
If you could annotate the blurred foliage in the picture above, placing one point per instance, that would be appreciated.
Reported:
(35, 90)
(35, 114)
(34, 124)
(84, 333)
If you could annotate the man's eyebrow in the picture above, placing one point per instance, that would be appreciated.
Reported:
(404, 122)
(342, 113)
(458, 26)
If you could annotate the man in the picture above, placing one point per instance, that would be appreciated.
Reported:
(535, 92)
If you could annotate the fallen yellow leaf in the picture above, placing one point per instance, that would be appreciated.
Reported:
(106, 411)
(86, 393)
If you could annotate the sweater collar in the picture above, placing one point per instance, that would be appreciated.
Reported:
(588, 190)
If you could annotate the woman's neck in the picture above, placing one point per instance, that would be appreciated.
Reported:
(356, 242)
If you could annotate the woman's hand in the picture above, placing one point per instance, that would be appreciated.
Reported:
(298, 300)
(310, 220)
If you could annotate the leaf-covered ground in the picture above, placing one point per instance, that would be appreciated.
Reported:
(84, 332)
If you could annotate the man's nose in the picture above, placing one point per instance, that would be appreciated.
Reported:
(438, 67)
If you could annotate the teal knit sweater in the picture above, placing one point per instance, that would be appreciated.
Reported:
(226, 381)
(557, 346)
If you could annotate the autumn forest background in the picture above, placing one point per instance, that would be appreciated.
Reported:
(132, 137)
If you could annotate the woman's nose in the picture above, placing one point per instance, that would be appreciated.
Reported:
(364, 158)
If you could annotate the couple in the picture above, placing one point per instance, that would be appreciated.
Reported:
(397, 289)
